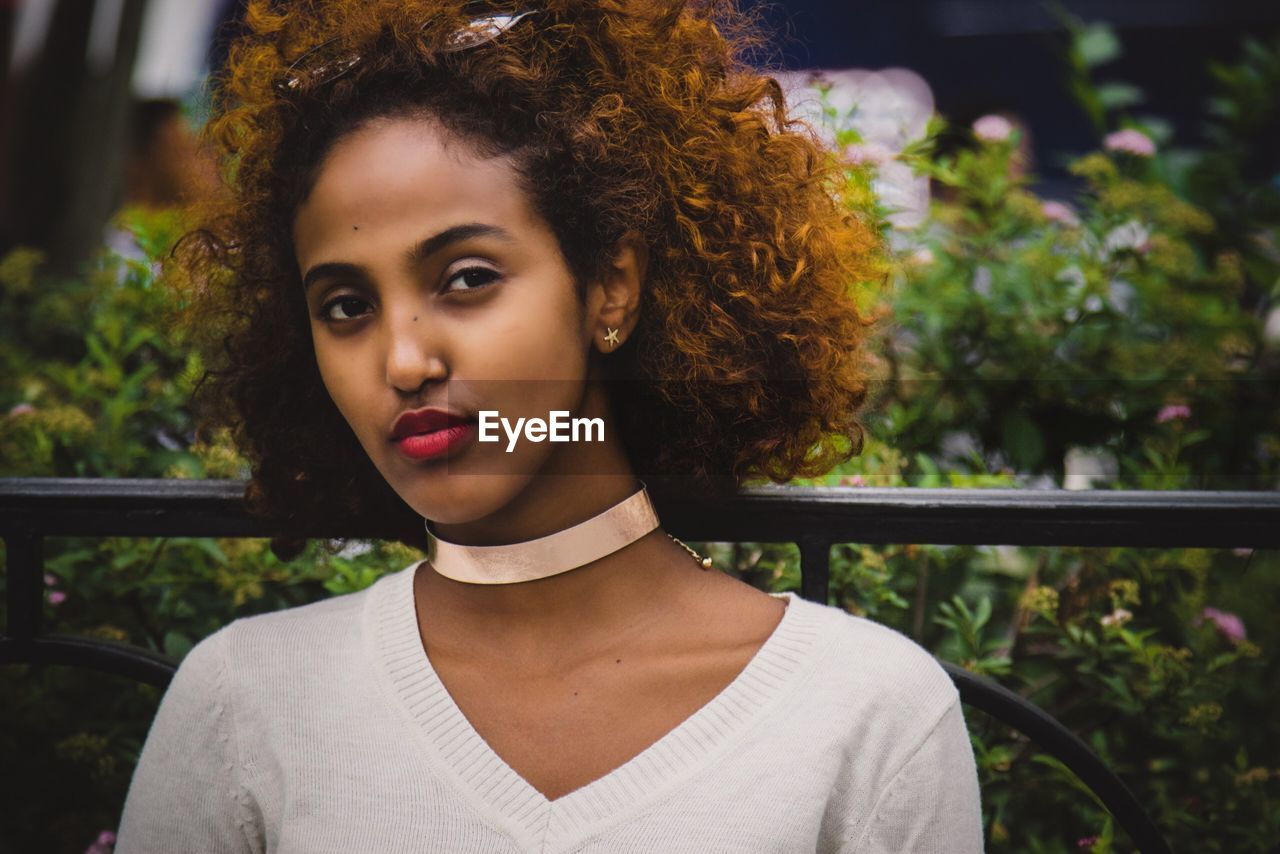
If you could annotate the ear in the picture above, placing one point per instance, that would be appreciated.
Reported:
(614, 300)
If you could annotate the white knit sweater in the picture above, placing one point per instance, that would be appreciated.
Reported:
(324, 728)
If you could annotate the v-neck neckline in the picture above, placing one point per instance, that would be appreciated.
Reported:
(498, 792)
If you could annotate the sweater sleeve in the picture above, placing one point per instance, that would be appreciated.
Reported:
(933, 803)
(185, 793)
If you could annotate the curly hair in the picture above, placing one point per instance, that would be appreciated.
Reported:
(644, 116)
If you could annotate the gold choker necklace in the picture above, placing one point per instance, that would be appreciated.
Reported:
(575, 546)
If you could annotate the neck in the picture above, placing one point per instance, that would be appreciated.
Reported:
(547, 504)
(596, 601)
(583, 591)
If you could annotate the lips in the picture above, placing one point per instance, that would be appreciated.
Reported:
(424, 421)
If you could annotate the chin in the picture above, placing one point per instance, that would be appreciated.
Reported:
(455, 499)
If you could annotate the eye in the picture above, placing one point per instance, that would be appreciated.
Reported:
(471, 278)
(344, 301)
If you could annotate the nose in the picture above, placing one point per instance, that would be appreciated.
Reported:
(416, 349)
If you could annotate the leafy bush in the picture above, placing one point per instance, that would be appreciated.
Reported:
(1124, 328)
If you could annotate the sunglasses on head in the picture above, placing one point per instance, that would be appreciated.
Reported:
(310, 69)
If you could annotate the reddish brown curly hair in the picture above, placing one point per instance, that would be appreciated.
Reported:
(749, 359)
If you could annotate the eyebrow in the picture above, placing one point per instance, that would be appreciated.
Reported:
(416, 255)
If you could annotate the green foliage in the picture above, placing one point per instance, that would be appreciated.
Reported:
(1128, 326)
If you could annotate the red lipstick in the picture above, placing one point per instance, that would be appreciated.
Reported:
(426, 433)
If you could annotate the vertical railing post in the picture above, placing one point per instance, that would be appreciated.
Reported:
(25, 570)
(815, 568)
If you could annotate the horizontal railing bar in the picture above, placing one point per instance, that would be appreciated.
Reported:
(1142, 519)
(117, 659)
(992, 517)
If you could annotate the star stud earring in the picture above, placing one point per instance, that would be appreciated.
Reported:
(612, 338)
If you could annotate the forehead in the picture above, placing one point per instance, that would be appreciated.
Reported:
(400, 179)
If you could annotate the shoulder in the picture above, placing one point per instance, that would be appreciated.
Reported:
(878, 670)
(302, 639)
(892, 713)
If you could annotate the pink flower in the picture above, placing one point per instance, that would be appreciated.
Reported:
(992, 128)
(22, 409)
(103, 844)
(1173, 412)
(1242, 552)
(852, 480)
(50, 580)
(1130, 141)
(868, 154)
(1228, 625)
(1060, 212)
(57, 597)
(1086, 841)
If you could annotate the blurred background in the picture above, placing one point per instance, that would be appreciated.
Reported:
(1081, 201)
(84, 83)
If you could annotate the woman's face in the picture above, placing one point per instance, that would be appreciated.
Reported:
(432, 282)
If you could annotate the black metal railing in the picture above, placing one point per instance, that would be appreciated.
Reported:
(32, 509)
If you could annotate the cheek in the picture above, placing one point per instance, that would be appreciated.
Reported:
(337, 373)
(536, 361)
(329, 368)
(537, 338)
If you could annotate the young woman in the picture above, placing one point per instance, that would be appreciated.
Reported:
(448, 217)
